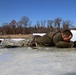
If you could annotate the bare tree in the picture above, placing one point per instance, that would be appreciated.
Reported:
(13, 26)
(5, 28)
(57, 23)
(50, 25)
(43, 23)
(25, 21)
(20, 28)
(67, 24)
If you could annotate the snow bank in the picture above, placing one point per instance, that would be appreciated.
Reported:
(14, 39)
(41, 34)
(74, 35)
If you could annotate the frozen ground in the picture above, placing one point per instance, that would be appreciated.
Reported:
(37, 61)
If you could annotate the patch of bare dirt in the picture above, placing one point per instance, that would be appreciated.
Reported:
(15, 36)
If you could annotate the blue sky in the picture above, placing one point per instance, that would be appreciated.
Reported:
(37, 10)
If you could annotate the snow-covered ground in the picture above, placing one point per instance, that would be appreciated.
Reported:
(74, 35)
(41, 34)
(37, 61)
(14, 39)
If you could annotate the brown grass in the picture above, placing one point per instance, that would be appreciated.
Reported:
(15, 36)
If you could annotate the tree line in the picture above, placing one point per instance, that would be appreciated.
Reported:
(25, 26)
